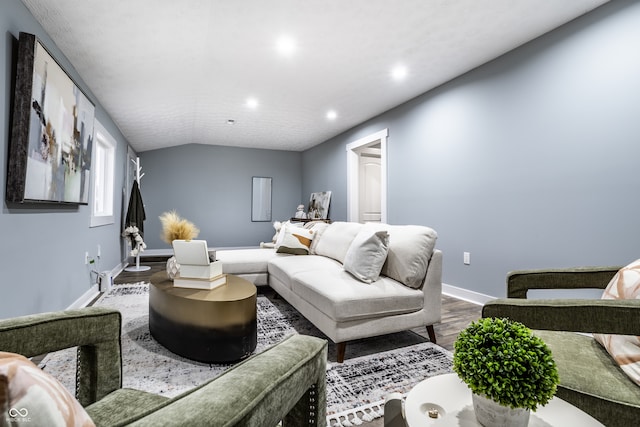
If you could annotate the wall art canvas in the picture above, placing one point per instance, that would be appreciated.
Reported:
(319, 205)
(52, 133)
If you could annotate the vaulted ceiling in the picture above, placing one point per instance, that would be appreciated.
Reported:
(177, 72)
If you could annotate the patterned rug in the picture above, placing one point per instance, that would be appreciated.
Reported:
(356, 388)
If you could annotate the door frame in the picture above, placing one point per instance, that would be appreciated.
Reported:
(352, 173)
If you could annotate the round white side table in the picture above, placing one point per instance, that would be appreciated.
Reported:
(452, 399)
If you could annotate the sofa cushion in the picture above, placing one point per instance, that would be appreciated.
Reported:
(246, 261)
(28, 394)
(334, 241)
(624, 349)
(285, 268)
(341, 297)
(318, 229)
(410, 249)
(367, 254)
(324, 283)
(578, 357)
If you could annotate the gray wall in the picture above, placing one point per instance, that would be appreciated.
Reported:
(529, 161)
(211, 186)
(42, 251)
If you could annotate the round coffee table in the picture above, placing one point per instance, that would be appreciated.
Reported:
(209, 326)
(452, 399)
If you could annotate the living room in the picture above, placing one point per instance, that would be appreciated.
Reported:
(516, 178)
(527, 161)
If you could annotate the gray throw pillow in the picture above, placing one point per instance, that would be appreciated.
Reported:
(366, 255)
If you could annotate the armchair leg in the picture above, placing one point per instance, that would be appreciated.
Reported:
(341, 348)
(432, 333)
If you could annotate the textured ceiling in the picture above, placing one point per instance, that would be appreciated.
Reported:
(173, 72)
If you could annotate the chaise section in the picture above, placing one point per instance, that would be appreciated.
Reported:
(250, 264)
(342, 298)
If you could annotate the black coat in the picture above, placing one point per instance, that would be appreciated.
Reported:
(135, 211)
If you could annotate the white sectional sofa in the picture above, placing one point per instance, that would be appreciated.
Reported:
(356, 304)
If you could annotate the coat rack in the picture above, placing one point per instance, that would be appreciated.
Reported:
(139, 176)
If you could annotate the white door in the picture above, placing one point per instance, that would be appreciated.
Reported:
(369, 179)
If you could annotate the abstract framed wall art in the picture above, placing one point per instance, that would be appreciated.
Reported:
(319, 205)
(51, 134)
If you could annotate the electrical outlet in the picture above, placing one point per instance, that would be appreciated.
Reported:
(99, 251)
(86, 258)
(467, 258)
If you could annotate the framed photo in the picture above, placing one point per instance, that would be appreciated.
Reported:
(52, 131)
(319, 205)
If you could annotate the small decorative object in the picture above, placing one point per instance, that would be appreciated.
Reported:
(173, 268)
(300, 213)
(509, 370)
(176, 228)
(137, 244)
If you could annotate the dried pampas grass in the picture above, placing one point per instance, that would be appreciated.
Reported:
(176, 228)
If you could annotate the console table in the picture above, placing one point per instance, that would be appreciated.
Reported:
(218, 325)
(452, 399)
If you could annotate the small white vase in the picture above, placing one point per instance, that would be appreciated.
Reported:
(492, 414)
(173, 268)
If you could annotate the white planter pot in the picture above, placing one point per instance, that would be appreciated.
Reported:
(492, 414)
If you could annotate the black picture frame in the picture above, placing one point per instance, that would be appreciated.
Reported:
(49, 156)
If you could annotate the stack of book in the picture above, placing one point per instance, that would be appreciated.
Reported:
(200, 276)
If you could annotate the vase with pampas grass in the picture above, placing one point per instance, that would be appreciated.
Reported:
(176, 228)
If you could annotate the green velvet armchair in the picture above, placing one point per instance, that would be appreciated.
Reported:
(589, 377)
(284, 383)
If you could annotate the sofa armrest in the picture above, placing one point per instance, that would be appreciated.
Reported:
(94, 330)
(576, 315)
(520, 281)
(286, 382)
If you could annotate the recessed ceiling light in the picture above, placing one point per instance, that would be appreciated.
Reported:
(252, 103)
(286, 45)
(332, 115)
(231, 122)
(399, 72)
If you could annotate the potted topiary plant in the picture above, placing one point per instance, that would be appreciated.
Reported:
(176, 228)
(509, 370)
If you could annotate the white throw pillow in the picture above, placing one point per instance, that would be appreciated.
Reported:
(367, 255)
(294, 240)
(624, 349)
(410, 249)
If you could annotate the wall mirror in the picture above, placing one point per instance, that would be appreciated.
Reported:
(261, 199)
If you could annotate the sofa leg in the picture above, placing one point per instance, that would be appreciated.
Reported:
(432, 333)
(341, 347)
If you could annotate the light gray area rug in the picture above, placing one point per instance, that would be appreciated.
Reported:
(355, 388)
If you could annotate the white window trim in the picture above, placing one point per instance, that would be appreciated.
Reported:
(103, 177)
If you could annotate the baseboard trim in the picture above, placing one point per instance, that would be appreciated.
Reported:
(115, 271)
(86, 298)
(466, 295)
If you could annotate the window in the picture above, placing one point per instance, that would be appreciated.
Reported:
(104, 154)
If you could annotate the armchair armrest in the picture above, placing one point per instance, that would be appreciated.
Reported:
(96, 332)
(576, 315)
(520, 281)
(286, 382)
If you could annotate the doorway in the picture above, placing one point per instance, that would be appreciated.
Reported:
(367, 178)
